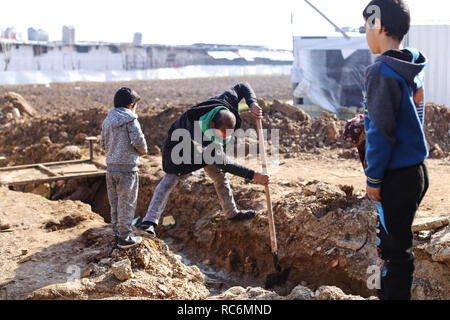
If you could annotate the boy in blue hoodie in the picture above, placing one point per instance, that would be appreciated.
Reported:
(124, 142)
(395, 141)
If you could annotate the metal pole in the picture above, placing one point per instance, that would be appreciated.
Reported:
(91, 149)
(326, 18)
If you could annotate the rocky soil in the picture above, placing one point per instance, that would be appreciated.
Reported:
(61, 249)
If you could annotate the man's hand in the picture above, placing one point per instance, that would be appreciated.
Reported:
(256, 111)
(142, 154)
(261, 178)
(374, 193)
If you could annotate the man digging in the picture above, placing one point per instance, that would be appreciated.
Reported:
(195, 141)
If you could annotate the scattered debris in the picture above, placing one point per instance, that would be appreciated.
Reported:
(429, 223)
(122, 270)
(168, 221)
(425, 235)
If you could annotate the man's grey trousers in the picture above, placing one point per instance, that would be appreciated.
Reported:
(168, 183)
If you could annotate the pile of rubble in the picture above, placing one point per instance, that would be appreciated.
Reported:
(14, 108)
(60, 256)
(298, 132)
(40, 138)
(437, 130)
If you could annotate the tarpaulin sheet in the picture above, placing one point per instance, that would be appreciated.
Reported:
(329, 71)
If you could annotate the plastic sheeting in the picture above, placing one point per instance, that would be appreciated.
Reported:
(329, 71)
(44, 77)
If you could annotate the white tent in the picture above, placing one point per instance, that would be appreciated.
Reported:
(328, 72)
(328, 69)
(433, 40)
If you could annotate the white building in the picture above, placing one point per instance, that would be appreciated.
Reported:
(37, 61)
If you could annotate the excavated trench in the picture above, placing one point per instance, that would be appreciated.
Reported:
(325, 233)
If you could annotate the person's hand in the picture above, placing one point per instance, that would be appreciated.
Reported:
(256, 111)
(374, 193)
(261, 178)
(142, 154)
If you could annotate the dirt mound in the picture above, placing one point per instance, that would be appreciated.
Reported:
(73, 261)
(79, 263)
(13, 107)
(154, 273)
(316, 225)
(66, 223)
(60, 136)
(298, 293)
(319, 227)
(437, 126)
(44, 138)
(298, 132)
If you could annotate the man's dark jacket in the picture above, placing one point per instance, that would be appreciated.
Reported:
(229, 99)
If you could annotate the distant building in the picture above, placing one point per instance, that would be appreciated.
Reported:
(137, 39)
(68, 36)
(10, 33)
(32, 34)
(37, 35)
(104, 56)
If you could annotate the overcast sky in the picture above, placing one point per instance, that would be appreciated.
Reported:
(251, 22)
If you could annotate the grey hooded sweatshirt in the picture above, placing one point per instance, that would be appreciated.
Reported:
(123, 140)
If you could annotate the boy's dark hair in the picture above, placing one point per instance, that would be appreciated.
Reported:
(395, 16)
(125, 96)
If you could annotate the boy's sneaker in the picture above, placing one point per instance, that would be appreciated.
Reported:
(148, 227)
(129, 242)
(243, 215)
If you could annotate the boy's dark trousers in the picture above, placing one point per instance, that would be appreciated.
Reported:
(402, 191)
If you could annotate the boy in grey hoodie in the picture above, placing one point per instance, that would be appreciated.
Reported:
(124, 142)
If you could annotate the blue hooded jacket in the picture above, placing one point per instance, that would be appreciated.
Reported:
(394, 113)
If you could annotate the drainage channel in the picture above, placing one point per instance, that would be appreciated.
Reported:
(217, 279)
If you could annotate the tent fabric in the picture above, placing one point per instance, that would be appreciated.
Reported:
(329, 71)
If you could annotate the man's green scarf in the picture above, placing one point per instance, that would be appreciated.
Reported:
(205, 124)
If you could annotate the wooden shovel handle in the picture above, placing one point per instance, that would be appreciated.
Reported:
(262, 152)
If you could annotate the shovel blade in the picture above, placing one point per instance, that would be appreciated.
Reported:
(277, 278)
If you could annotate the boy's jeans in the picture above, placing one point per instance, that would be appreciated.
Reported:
(169, 181)
(401, 194)
(122, 190)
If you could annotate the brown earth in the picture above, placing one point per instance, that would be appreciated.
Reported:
(324, 225)
(155, 94)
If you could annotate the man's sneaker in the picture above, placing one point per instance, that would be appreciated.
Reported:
(243, 215)
(148, 227)
(129, 242)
